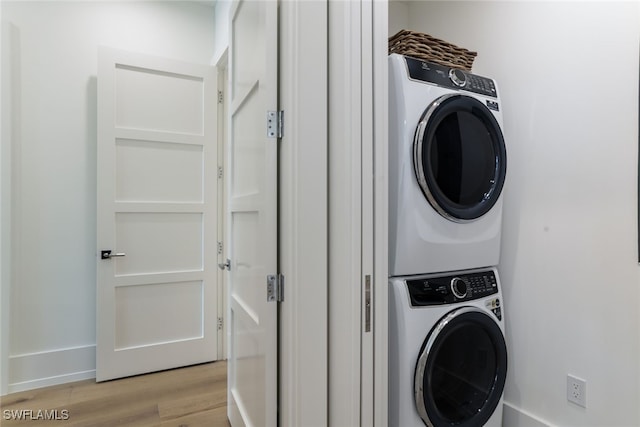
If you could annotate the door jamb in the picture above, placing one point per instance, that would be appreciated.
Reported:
(380, 207)
(222, 66)
(303, 214)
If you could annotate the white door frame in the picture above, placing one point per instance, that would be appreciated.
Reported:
(324, 299)
(359, 215)
(303, 214)
(380, 177)
(346, 208)
(222, 66)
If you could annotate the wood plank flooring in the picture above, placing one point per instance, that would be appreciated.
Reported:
(187, 397)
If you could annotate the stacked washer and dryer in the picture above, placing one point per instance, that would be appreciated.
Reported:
(447, 166)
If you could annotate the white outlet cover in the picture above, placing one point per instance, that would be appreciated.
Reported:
(577, 390)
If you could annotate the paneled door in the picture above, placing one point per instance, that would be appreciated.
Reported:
(253, 249)
(156, 219)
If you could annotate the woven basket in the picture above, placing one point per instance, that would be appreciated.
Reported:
(428, 48)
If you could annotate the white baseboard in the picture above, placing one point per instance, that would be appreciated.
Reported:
(35, 370)
(516, 417)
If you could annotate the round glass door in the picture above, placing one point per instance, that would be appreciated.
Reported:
(461, 370)
(460, 157)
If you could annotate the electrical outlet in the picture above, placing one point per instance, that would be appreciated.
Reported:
(577, 390)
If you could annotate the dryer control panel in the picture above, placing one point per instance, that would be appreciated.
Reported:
(451, 289)
(450, 77)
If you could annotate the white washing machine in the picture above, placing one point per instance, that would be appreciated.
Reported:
(447, 167)
(447, 350)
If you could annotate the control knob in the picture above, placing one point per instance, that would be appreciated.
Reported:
(458, 287)
(458, 77)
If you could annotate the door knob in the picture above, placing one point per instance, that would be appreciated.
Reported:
(226, 265)
(108, 255)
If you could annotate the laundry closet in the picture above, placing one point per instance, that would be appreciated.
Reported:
(448, 357)
(566, 231)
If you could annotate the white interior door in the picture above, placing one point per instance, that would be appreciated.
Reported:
(253, 163)
(156, 290)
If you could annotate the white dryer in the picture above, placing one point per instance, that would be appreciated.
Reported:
(447, 350)
(447, 167)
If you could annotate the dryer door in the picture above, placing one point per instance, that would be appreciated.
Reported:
(461, 370)
(459, 157)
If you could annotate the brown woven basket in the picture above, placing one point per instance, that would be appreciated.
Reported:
(428, 48)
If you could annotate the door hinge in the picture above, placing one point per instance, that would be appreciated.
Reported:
(219, 248)
(275, 288)
(220, 97)
(275, 124)
(220, 172)
(220, 323)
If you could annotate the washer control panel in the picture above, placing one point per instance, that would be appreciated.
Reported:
(450, 77)
(451, 289)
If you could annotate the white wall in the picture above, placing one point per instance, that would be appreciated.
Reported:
(52, 319)
(568, 78)
(222, 28)
(398, 16)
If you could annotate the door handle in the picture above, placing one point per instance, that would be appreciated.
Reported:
(108, 255)
(226, 265)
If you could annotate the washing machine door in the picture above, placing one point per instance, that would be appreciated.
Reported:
(461, 370)
(459, 157)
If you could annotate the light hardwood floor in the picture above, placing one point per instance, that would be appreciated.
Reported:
(187, 397)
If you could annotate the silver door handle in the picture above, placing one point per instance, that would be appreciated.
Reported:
(108, 255)
(226, 265)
